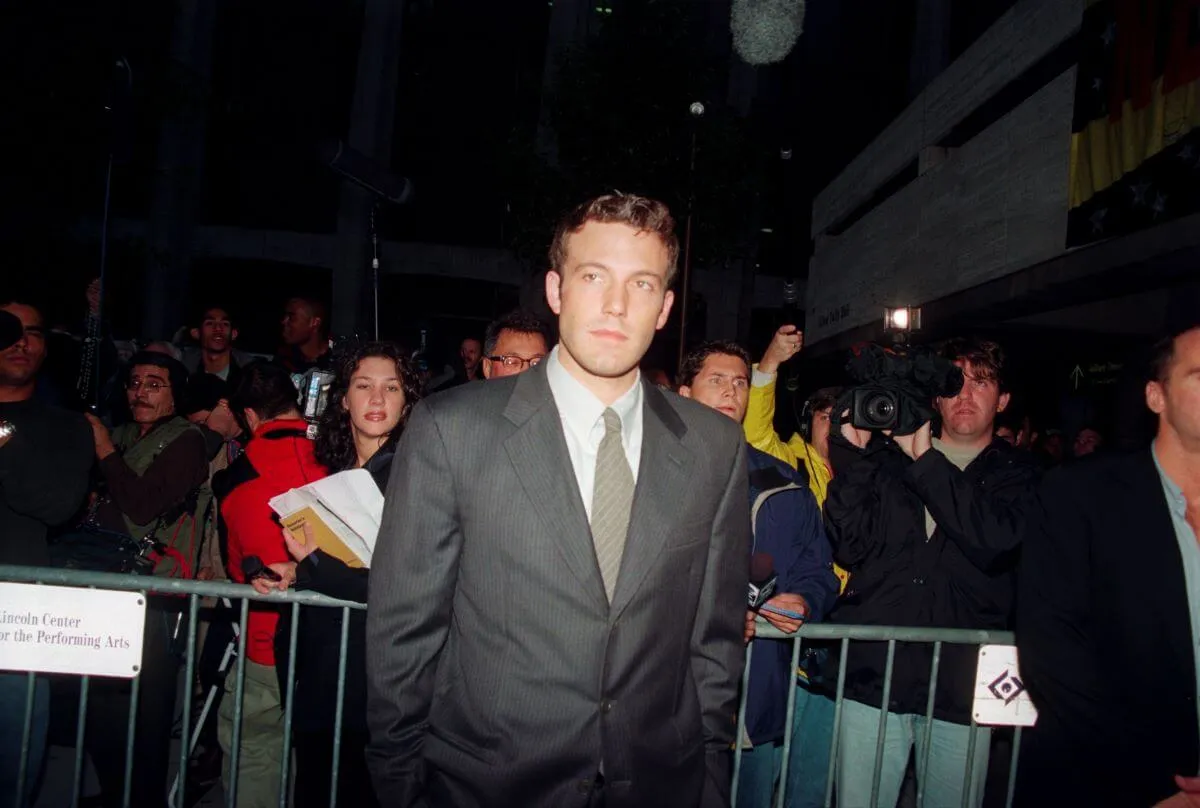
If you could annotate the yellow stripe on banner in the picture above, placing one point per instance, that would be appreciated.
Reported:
(1105, 151)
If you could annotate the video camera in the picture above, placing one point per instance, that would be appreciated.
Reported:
(895, 388)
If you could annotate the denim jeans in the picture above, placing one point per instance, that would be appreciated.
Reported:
(808, 764)
(760, 769)
(943, 782)
(13, 690)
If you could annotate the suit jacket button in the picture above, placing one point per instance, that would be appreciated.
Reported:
(606, 706)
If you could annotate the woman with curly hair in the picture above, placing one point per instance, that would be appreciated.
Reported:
(373, 392)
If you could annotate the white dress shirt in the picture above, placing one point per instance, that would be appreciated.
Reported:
(583, 424)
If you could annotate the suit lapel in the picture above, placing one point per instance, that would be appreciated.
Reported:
(663, 473)
(1158, 551)
(538, 452)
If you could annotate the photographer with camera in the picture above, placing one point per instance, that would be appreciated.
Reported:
(929, 528)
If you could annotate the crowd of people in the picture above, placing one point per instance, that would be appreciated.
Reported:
(557, 602)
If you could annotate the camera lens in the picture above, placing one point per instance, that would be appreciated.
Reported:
(880, 410)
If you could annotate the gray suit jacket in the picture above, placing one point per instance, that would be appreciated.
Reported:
(498, 673)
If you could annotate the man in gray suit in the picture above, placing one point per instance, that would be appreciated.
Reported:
(559, 585)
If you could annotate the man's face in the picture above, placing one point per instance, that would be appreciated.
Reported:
(723, 383)
(820, 431)
(21, 361)
(514, 345)
(1086, 442)
(299, 324)
(610, 297)
(970, 415)
(149, 394)
(216, 332)
(1176, 399)
(470, 351)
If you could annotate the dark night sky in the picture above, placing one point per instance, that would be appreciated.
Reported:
(470, 82)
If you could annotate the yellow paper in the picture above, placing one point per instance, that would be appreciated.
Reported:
(326, 540)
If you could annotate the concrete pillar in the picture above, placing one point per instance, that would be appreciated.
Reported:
(178, 171)
(931, 44)
(371, 125)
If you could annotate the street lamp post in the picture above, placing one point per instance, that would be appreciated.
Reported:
(696, 110)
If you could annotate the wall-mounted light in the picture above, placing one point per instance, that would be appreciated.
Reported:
(902, 318)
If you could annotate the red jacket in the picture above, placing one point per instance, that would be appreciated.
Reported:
(278, 459)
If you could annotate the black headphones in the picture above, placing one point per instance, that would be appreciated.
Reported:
(806, 420)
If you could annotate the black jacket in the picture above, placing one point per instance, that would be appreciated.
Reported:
(43, 477)
(962, 577)
(319, 640)
(1105, 640)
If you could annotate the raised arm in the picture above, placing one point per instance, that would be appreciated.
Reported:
(759, 424)
(987, 523)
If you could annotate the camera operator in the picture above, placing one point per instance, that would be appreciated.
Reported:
(929, 529)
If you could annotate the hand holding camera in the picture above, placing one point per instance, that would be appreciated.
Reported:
(896, 389)
(918, 443)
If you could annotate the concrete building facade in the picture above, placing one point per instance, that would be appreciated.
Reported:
(960, 206)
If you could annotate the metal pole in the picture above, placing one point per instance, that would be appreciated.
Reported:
(375, 266)
(687, 243)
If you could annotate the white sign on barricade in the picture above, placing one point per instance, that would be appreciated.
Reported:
(62, 629)
(1000, 695)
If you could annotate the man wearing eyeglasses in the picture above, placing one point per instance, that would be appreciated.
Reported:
(513, 344)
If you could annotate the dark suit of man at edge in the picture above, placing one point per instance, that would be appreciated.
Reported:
(558, 589)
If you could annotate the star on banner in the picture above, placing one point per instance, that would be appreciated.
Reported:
(1109, 35)
(1097, 86)
(1139, 192)
(1187, 153)
(1160, 205)
(1097, 221)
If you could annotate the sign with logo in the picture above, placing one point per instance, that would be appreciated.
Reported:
(61, 629)
(1000, 695)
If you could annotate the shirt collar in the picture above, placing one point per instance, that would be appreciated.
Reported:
(579, 406)
(1175, 498)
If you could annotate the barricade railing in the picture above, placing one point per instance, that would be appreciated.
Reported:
(844, 635)
(191, 594)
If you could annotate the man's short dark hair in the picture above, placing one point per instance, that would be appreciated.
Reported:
(985, 357)
(318, 309)
(266, 388)
(824, 399)
(643, 214)
(520, 321)
(177, 374)
(201, 312)
(1162, 354)
(694, 361)
(12, 299)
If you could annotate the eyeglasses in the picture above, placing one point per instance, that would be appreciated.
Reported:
(512, 361)
(152, 386)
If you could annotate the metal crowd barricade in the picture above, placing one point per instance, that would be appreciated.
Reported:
(193, 591)
(937, 637)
